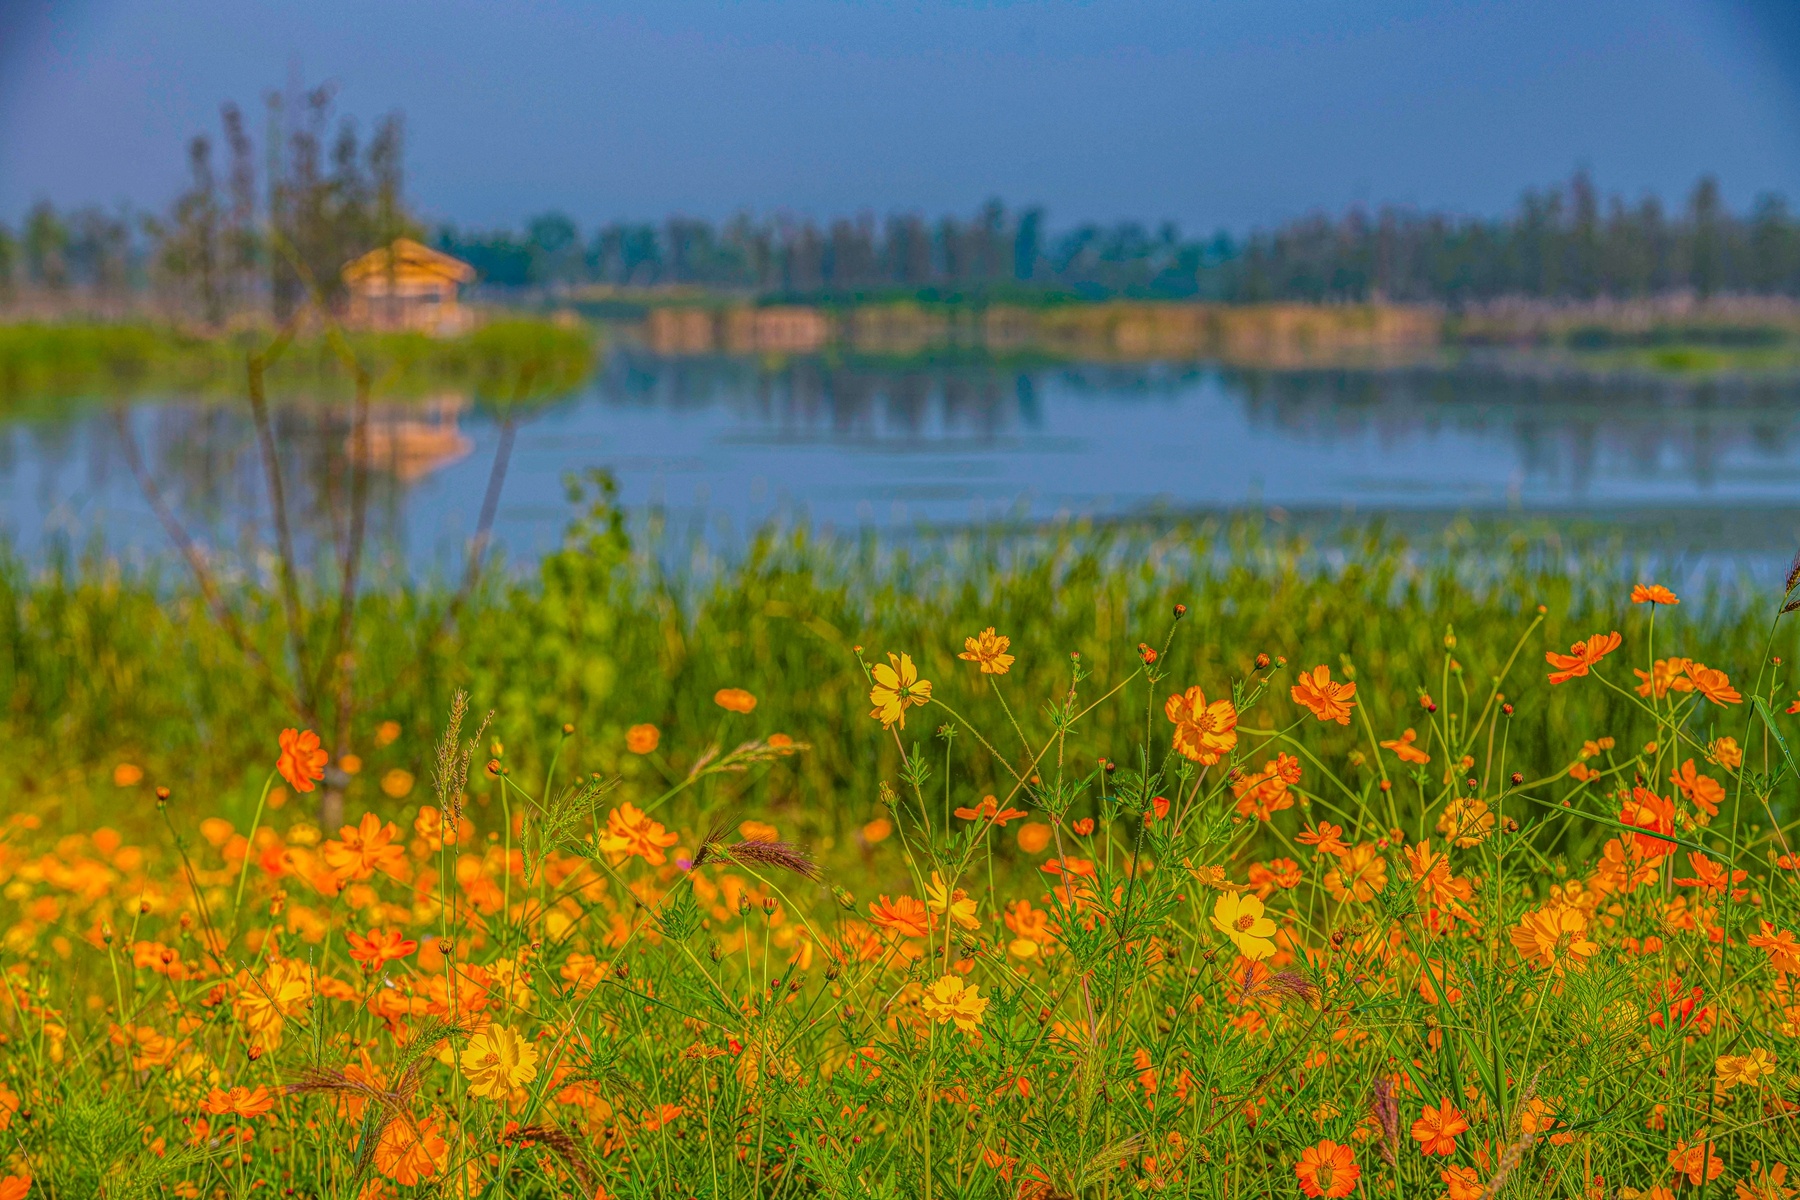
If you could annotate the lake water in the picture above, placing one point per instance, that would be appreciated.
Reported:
(722, 446)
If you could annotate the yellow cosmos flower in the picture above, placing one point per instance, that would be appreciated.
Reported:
(990, 650)
(1734, 1069)
(264, 1005)
(950, 999)
(1240, 918)
(897, 688)
(496, 1061)
(959, 905)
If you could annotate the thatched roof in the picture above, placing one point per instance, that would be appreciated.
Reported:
(405, 261)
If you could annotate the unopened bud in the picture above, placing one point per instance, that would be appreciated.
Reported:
(1180, 611)
(1517, 778)
(1262, 662)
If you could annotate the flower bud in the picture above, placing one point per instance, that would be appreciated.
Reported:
(1262, 662)
(1180, 611)
(1517, 778)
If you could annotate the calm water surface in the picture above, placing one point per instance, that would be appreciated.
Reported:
(722, 447)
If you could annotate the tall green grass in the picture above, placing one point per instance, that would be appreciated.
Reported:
(102, 665)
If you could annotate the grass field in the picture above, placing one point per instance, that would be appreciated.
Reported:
(1327, 882)
(46, 367)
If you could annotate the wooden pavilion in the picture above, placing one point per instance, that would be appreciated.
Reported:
(408, 286)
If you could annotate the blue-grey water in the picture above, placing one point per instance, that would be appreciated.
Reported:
(719, 447)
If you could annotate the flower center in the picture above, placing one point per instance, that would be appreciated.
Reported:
(1245, 922)
(1324, 1175)
(1203, 722)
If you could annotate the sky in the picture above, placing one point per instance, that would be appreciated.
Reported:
(1213, 113)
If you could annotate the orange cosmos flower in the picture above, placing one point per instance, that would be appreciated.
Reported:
(1653, 593)
(1262, 795)
(362, 849)
(1553, 938)
(1325, 836)
(1328, 1170)
(631, 832)
(380, 948)
(1326, 700)
(1726, 752)
(1436, 1128)
(905, 916)
(1464, 1183)
(1466, 821)
(1079, 868)
(1761, 1184)
(989, 810)
(302, 759)
(1581, 656)
(1360, 873)
(989, 650)
(1702, 791)
(1203, 732)
(1779, 944)
(239, 1101)
(1648, 811)
(642, 739)
(15, 1187)
(735, 700)
(1666, 675)
(1699, 1162)
(1443, 893)
(1714, 684)
(1404, 749)
(1276, 873)
(1710, 875)
(410, 1151)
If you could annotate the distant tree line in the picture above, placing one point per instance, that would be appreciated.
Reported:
(255, 225)
(252, 232)
(1560, 243)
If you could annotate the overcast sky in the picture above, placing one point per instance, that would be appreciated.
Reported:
(1213, 113)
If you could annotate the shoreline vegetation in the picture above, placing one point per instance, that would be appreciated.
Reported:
(502, 362)
(554, 340)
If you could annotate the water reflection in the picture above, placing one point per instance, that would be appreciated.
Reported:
(726, 443)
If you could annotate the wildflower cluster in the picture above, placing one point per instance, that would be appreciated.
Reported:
(1302, 936)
